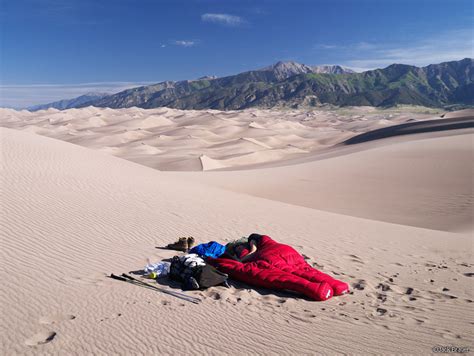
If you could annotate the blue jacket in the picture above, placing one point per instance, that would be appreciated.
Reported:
(210, 249)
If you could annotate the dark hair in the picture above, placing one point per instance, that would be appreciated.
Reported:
(230, 247)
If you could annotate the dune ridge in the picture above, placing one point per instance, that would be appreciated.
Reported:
(414, 128)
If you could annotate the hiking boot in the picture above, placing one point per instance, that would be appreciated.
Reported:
(180, 245)
(190, 242)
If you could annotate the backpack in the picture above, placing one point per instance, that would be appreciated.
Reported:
(194, 273)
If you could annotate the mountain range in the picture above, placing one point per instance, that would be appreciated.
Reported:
(293, 84)
(69, 103)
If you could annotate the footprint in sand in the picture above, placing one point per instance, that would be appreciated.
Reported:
(41, 338)
(380, 311)
(409, 298)
(215, 295)
(47, 336)
(55, 319)
(382, 297)
(383, 287)
(360, 285)
(409, 295)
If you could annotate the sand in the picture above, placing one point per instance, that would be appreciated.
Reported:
(391, 217)
(190, 140)
(425, 182)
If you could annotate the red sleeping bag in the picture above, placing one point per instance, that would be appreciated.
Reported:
(278, 266)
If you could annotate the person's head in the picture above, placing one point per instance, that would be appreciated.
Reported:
(239, 249)
(231, 246)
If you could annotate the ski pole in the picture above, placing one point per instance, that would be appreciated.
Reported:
(146, 285)
(139, 283)
(160, 289)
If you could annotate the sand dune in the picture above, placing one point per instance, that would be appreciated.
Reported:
(413, 128)
(466, 113)
(425, 182)
(208, 132)
(428, 181)
(391, 216)
(71, 215)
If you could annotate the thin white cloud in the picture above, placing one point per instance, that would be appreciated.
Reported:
(364, 46)
(21, 96)
(444, 47)
(327, 46)
(185, 43)
(223, 19)
(359, 46)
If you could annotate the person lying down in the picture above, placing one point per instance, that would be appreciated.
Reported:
(263, 262)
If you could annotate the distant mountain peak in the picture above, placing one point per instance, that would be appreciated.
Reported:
(286, 69)
(289, 64)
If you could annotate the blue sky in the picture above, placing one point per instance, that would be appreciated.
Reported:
(53, 49)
